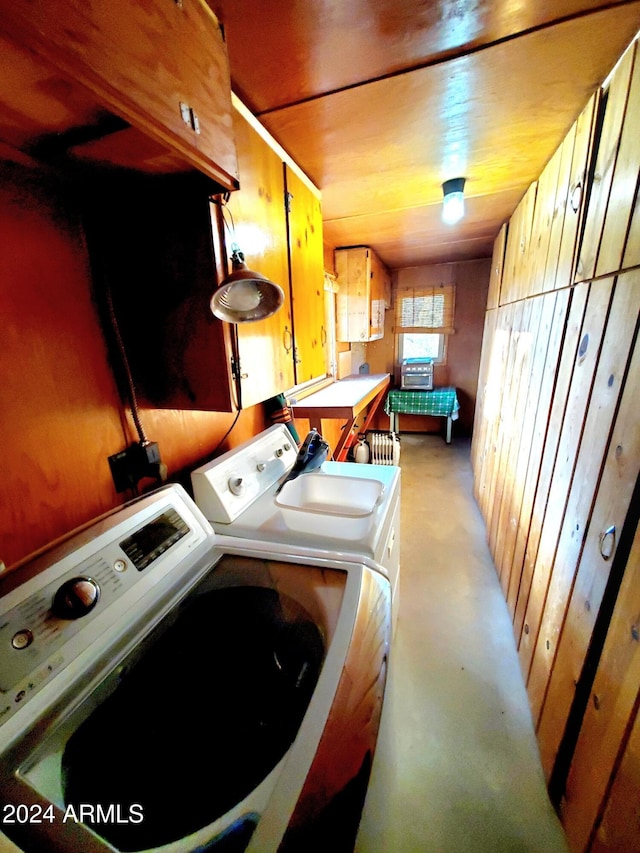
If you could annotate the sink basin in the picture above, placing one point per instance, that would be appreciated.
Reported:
(335, 506)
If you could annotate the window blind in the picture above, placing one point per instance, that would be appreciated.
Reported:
(428, 308)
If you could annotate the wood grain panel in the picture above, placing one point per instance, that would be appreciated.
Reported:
(614, 104)
(497, 264)
(561, 203)
(515, 384)
(561, 372)
(607, 387)
(515, 276)
(533, 426)
(256, 220)
(142, 61)
(624, 184)
(524, 418)
(500, 345)
(306, 261)
(579, 568)
(543, 218)
(563, 470)
(520, 579)
(597, 786)
(576, 195)
(481, 421)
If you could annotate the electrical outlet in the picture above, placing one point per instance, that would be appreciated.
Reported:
(135, 463)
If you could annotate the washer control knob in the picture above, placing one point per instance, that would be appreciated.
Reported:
(236, 485)
(279, 452)
(261, 466)
(76, 598)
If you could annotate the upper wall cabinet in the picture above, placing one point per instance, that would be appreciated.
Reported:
(306, 261)
(160, 68)
(609, 241)
(155, 255)
(363, 282)
(255, 218)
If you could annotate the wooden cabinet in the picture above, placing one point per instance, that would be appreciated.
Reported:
(306, 261)
(161, 68)
(255, 218)
(361, 296)
(556, 455)
(515, 272)
(170, 244)
(608, 241)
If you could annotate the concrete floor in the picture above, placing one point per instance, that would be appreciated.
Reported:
(457, 767)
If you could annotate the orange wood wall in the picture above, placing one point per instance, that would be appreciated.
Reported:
(61, 416)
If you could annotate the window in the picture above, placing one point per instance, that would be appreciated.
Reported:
(423, 319)
(428, 345)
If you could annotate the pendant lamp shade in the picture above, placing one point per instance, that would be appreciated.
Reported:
(245, 296)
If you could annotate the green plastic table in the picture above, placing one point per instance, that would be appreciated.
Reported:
(441, 402)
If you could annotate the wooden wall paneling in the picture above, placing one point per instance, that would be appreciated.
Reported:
(623, 185)
(620, 471)
(540, 330)
(576, 193)
(525, 349)
(607, 387)
(632, 249)
(543, 218)
(561, 202)
(614, 103)
(502, 428)
(548, 346)
(507, 421)
(492, 404)
(480, 423)
(608, 723)
(514, 274)
(497, 265)
(544, 375)
(618, 828)
(555, 390)
(578, 396)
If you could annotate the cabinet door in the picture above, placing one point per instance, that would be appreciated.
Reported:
(613, 106)
(376, 300)
(353, 268)
(158, 258)
(306, 262)
(160, 66)
(258, 225)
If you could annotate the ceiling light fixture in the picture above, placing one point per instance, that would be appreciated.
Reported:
(453, 204)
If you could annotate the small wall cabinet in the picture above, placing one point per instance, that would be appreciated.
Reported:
(159, 68)
(364, 289)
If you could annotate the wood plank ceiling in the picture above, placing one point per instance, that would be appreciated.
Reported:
(380, 101)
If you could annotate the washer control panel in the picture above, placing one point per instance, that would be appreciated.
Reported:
(226, 486)
(62, 609)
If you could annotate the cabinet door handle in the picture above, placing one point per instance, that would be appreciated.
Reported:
(576, 197)
(608, 542)
(323, 336)
(287, 340)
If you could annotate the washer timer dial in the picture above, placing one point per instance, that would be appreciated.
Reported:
(75, 598)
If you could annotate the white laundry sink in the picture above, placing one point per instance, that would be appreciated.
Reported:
(336, 506)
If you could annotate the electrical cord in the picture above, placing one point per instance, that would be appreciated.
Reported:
(133, 400)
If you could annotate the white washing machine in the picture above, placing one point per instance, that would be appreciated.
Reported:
(165, 688)
(237, 492)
